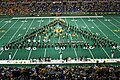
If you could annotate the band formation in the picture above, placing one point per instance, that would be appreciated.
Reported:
(59, 34)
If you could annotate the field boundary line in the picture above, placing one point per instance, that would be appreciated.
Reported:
(58, 17)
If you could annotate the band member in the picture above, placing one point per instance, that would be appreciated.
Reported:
(10, 56)
(60, 55)
(39, 58)
(112, 54)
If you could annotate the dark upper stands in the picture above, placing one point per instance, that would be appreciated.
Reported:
(31, 7)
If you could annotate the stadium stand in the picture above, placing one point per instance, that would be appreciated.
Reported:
(36, 8)
(61, 73)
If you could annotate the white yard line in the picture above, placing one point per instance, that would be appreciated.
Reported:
(31, 49)
(1, 52)
(72, 39)
(15, 54)
(45, 53)
(29, 54)
(115, 19)
(14, 35)
(16, 32)
(113, 24)
(109, 29)
(5, 33)
(8, 30)
(75, 53)
(10, 38)
(106, 53)
(40, 23)
(5, 24)
(104, 35)
(24, 34)
(84, 38)
(29, 26)
(74, 48)
(2, 20)
(100, 45)
(40, 26)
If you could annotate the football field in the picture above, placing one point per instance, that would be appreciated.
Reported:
(106, 26)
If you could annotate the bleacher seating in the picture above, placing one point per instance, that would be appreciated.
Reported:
(61, 73)
(32, 7)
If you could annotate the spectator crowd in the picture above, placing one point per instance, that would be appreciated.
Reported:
(61, 73)
(34, 7)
